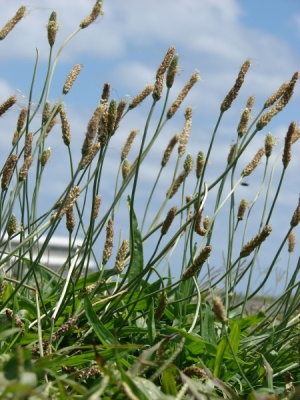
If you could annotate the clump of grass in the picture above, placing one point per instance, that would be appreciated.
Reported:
(153, 318)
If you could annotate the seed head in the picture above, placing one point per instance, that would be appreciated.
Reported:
(70, 219)
(185, 132)
(198, 228)
(269, 144)
(172, 71)
(219, 310)
(21, 119)
(168, 221)
(71, 78)
(97, 10)
(120, 111)
(121, 256)
(275, 96)
(12, 22)
(296, 216)
(71, 199)
(287, 151)
(108, 246)
(140, 97)
(176, 185)
(182, 95)
(188, 164)
(253, 164)
(28, 144)
(90, 156)
(242, 209)
(97, 203)
(161, 306)
(292, 242)
(256, 241)
(7, 104)
(111, 116)
(52, 28)
(65, 126)
(232, 151)
(105, 92)
(11, 227)
(46, 112)
(169, 149)
(128, 144)
(158, 87)
(92, 129)
(126, 167)
(206, 222)
(44, 157)
(8, 170)
(243, 124)
(196, 266)
(200, 164)
(226, 104)
(25, 168)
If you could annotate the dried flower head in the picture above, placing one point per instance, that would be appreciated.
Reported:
(206, 222)
(243, 124)
(197, 227)
(141, 96)
(71, 78)
(52, 28)
(193, 370)
(256, 241)
(121, 256)
(120, 112)
(172, 71)
(235, 89)
(21, 119)
(7, 104)
(8, 170)
(126, 167)
(253, 164)
(200, 164)
(108, 246)
(196, 266)
(269, 144)
(12, 22)
(96, 206)
(96, 11)
(161, 306)
(70, 219)
(46, 112)
(71, 199)
(158, 87)
(128, 144)
(287, 151)
(50, 125)
(168, 151)
(105, 93)
(92, 129)
(111, 116)
(291, 242)
(11, 227)
(219, 309)
(176, 185)
(103, 133)
(65, 126)
(182, 95)
(45, 156)
(242, 209)
(296, 135)
(185, 132)
(28, 144)
(25, 168)
(296, 216)
(275, 96)
(90, 155)
(188, 164)
(168, 221)
(232, 152)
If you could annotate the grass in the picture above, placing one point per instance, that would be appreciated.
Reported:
(129, 329)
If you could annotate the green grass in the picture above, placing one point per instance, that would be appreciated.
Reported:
(131, 330)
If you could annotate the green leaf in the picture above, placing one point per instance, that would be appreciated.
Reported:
(136, 246)
(219, 356)
(234, 336)
(208, 325)
(102, 333)
(168, 382)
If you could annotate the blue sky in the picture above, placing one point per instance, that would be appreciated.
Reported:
(126, 45)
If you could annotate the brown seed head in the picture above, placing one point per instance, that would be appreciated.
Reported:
(92, 128)
(296, 216)
(291, 242)
(182, 95)
(253, 164)
(232, 152)
(96, 207)
(275, 96)
(168, 221)
(200, 164)
(11, 227)
(172, 71)
(219, 309)
(105, 93)
(256, 241)
(70, 219)
(287, 151)
(296, 135)
(126, 167)
(28, 144)
(243, 124)
(46, 112)
(206, 222)
(21, 119)
(108, 246)
(185, 132)
(188, 164)
(176, 185)
(71, 78)
(45, 156)
(8, 170)
(128, 144)
(269, 144)
(121, 256)
(198, 228)
(25, 168)
(111, 116)
(7, 104)
(120, 111)
(52, 28)
(235, 89)
(93, 150)
(196, 266)
(65, 126)
(169, 149)
(50, 125)
(96, 11)
(141, 96)
(242, 209)
(161, 306)
(12, 22)
(71, 199)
